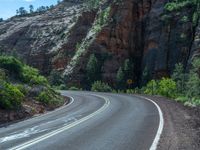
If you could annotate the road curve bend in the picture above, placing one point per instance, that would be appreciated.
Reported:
(92, 121)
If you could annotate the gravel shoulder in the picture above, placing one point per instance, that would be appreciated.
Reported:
(182, 125)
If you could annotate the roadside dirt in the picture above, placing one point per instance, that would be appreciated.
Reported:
(28, 110)
(182, 125)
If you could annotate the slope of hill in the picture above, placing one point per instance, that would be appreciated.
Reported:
(154, 35)
(23, 91)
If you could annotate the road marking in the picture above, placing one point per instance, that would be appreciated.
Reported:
(48, 135)
(42, 115)
(161, 124)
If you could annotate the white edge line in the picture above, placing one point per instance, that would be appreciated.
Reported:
(161, 124)
(55, 132)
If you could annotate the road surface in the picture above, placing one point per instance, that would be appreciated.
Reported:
(92, 121)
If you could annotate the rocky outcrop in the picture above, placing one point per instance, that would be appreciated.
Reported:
(62, 39)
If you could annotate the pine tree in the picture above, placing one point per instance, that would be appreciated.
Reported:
(120, 79)
(193, 83)
(31, 9)
(92, 69)
(128, 69)
(180, 78)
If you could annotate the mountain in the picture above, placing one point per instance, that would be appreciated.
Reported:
(153, 34)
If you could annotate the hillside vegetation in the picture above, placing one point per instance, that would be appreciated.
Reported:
(20, 83)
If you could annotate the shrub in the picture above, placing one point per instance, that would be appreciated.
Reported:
(22, 88)
(11, 64)
(50, 97)
(10, 96)
(167, 87)
(73, 88)
(151, 87)
(44, 97)
(31, 75)
(99, 86)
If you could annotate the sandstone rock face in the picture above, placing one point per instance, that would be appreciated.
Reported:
(140, 30)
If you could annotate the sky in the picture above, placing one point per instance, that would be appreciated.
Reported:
(8, 7)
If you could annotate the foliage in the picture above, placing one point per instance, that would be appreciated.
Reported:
(180, 78)
(167, 87)
(10, 96)
(120, 79)
(93, 4)
(11, 64)
(193, 83)
(124, 73)
(178, 4)
(55, 78)
(73, 88)
(50, 97)
(151, 87)
(99, 86)
(92, 69)
(31, 75)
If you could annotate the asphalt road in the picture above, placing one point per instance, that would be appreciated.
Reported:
(92, 121)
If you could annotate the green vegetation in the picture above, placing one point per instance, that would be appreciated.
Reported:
(16, 82)
(50, 97)
(99, 86)
(177, 5)
(10, 96)
(93, 4)
(124, 74)
(18, 70)
(184, 87)
(92, 69)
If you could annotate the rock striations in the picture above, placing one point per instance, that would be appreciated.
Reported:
(64, 37)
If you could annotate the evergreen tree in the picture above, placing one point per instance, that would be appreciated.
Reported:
(31, 9)
(180, 78)
(120, 79)
(128, 69)
(193, 83)
(22, 11)
(92, 69)
(55, 78)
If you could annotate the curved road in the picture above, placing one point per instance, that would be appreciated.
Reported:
(92, 121)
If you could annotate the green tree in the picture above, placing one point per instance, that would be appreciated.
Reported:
(31, 9)
(55, 78)
(22, 11)
(128, 69)
(180, 78)
(193, 83)
(92, 69)
(120, 79)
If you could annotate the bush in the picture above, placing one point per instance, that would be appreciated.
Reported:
(31, 75)
(11, 64)
(167, 87)
(151, 87)
(44, 97)
(10, 96)
(73, 88)
(50, 97)
(99, 86)
(22, 88)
